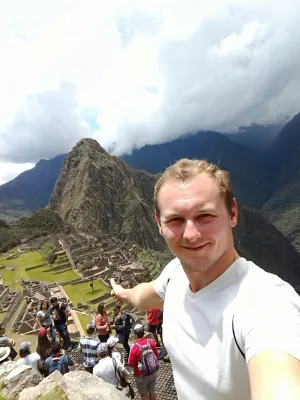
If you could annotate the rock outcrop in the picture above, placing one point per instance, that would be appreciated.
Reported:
(97, 193)
(17, 379)
(23, 383)
(79, 385)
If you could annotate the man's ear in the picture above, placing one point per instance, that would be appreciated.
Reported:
(157, 217)
(234, 214)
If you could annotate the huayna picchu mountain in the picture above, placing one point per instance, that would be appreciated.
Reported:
(98, 193)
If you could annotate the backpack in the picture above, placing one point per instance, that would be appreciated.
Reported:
(56, 364)
(129, 321)
(148, 360)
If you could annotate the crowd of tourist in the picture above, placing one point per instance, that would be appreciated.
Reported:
(101, 356)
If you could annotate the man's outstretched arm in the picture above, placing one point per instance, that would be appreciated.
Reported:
(142, 296)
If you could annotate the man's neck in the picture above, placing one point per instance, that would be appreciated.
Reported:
(198, 280)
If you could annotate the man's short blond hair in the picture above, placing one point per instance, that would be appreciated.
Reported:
(185, 169)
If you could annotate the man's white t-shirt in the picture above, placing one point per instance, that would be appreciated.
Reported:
(105, 370)
(198, 332)
(31, 360)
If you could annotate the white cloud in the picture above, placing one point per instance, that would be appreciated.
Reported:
(150, 70)
(9, 171)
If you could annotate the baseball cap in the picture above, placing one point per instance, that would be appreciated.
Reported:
(4, 353)
(90, 325)
(102, 349)
(112, 341)
(138, 328)
(25, 345)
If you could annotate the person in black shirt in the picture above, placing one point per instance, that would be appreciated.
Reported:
(122, 324)
(60, 314)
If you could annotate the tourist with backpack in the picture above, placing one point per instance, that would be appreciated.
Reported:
(123, 323)
(57, 361)
(144, 358)
(60, 314)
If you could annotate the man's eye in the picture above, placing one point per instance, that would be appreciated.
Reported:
(204, 216)
(175, 219)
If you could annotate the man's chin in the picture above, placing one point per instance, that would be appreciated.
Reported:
(197, 265)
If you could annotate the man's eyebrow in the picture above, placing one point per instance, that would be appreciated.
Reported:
(174, 214)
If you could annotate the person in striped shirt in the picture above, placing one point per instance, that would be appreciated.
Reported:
(88, 346)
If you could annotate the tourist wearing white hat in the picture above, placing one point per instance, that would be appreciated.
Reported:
(111, 342)
(4, 354)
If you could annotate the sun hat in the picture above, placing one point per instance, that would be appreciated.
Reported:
(4, 353)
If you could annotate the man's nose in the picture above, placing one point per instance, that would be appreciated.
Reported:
(191, 232)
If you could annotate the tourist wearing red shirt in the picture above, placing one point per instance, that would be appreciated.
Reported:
(102, 323)
(153, 323)
(145, 384)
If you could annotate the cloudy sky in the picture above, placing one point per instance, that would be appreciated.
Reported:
(130, 72)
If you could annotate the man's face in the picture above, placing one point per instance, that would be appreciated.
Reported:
(195, 222)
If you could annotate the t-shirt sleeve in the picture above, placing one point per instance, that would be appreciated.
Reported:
(269, 320)
(35, 357)
(120, 366)
(69, 361)
(161, 283)
(132, 356)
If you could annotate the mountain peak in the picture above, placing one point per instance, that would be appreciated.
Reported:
(97, 193)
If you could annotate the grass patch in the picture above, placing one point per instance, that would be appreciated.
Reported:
(41, 274)
(82, 293)
(2, 315)
(31, 259)
(56, 393)
(84, 319)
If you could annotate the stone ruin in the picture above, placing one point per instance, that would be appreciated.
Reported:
(9, 301)
(101, 260)
(34, 292)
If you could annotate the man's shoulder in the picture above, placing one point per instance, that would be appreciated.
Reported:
(258, 280)
(34, 356)
(260, 291)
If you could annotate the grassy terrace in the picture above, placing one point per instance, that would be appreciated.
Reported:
(77, 293)
(31, 259)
